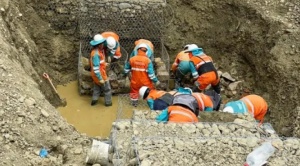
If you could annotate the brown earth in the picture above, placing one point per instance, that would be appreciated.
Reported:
(256, 41)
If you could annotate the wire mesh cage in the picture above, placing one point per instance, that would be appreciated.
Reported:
(131, 147)
(205, 151)
(121, 136)
(126, 108)
(131, 21)
(148, 128)
(202, 151)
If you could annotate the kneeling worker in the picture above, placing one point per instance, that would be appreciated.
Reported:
(253, 104)
(208, 101)
(183, 109)
(160, 100)
(156, 99)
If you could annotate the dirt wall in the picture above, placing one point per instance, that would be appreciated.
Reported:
(28, 121)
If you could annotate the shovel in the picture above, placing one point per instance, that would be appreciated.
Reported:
(46, 76)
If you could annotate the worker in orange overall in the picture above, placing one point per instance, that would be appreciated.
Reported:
(142, 73)
(112, 46)
(208, 101)
(203, 70)
(253, 104)
(183, 109)
(98, 71)
(181, 66)
(150, 48)
(156, 99)
(159, 100)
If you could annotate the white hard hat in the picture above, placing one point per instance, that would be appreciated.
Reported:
(186, 47)
(228, 109)
(192, 47)
(97, 40)
(142, 46)
(143, 92)
(111, 42)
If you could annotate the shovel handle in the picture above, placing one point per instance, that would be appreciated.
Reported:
(45, 75)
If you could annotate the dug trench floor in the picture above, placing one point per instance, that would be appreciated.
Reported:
(92, 120)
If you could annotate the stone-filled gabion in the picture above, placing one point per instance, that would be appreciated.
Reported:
(205, 151)
(201, 129)
(141, 141)
(121, 136)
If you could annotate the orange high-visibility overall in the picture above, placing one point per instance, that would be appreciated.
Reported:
(203, 101)
(102, 65)
(155, 94)
(256, 106)
(206, 76)
(139, 74)
(181, 114)
(181, 57)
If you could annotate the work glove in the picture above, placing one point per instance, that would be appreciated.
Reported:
(107, 64)
(101, 82)
(109, 59)
(157, 83)
(196, 83)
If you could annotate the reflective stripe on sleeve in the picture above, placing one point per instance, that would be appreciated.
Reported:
(251, 105)
(201, 63)
(182, 113)
(201, 101)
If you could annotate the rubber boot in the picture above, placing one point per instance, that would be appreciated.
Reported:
(107, 94)
(94, 102)
(134, 103)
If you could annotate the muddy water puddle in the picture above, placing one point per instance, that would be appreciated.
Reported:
(92, 120)
(97, 120)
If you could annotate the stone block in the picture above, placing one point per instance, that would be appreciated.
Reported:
(86, 85)
(162, 76)
(85, 75)
(157, 60)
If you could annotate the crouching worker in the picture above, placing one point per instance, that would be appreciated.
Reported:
(156, 99)
(208, 101)
(203, 70)
(98, 71)
(253, 104)
(183, 109)
(112, 46)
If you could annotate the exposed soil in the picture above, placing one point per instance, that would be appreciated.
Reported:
(256, 41)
